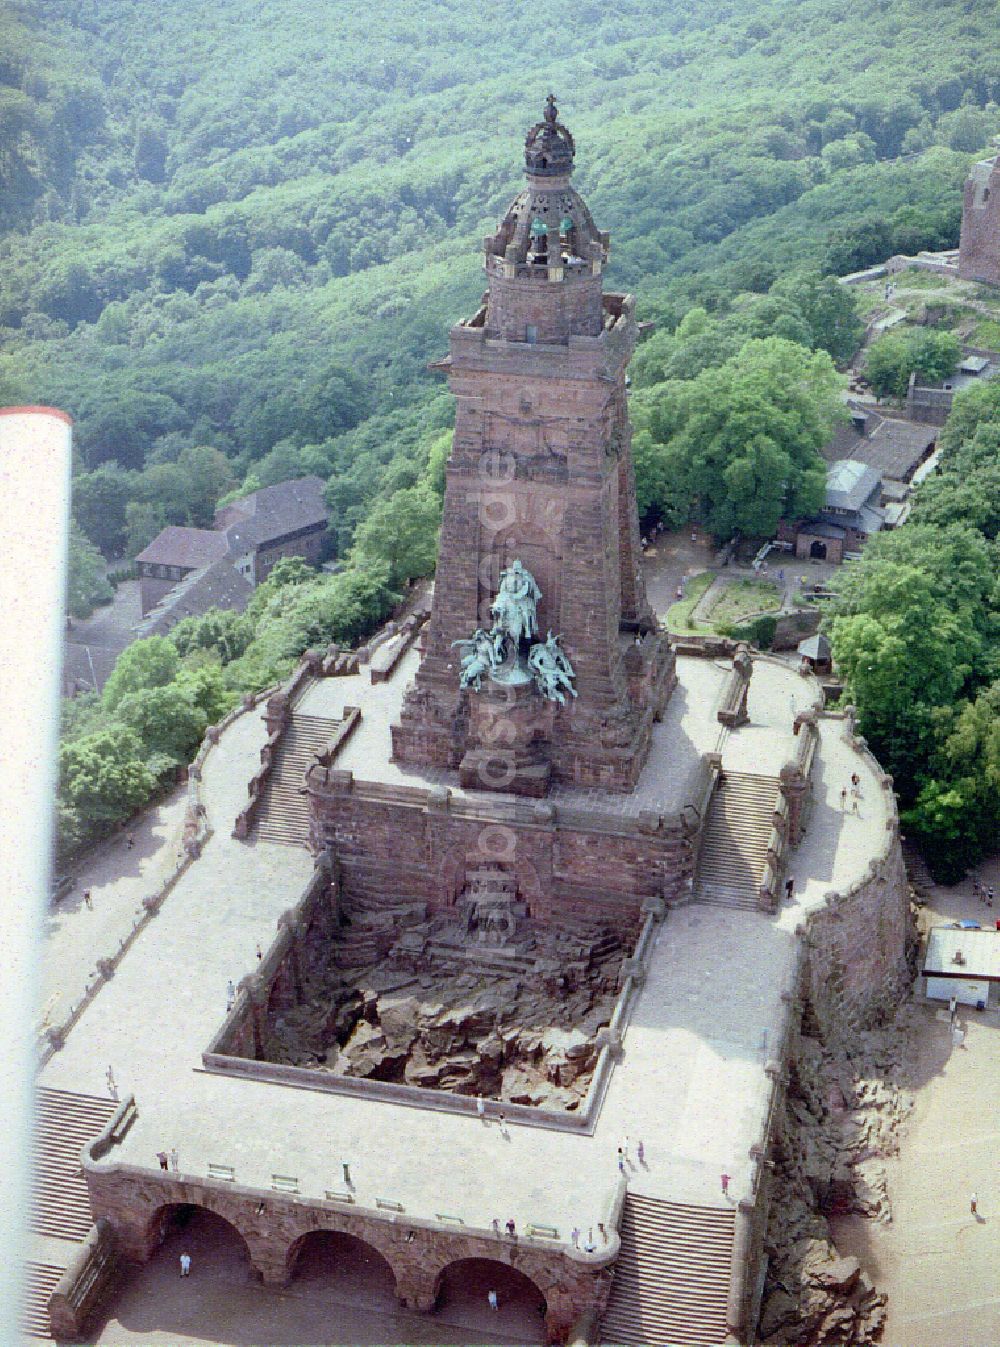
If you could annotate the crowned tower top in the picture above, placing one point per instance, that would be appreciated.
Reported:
(546, 259)
(548, 147)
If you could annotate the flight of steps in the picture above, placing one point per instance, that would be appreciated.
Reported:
(283, 814)
(39, 1282)
(672, 1275)
(60, 1205)
(734, 846)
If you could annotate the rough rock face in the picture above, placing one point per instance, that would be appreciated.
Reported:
(415, 1002)
(842, 1119)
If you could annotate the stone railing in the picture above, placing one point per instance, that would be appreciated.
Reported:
(197, 830)
(856, 940)
(791, 810)
(732, 708)
(242, 1031)
(704, 647)
(386, 658)
(339, 663)
(220, 1188)
(794, 777)
(538, 813)
(86, 1284)
(277, 716)
(751, 1214)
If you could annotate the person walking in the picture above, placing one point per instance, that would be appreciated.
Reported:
(88, 900)
(621, 1161)
(574, 1235)
(491, 1297)
(230, 995)
(174, 1158)
(640, 1153)
(725, 1184)
(162, 1157)
(974, 1205)
(185, 1261)
(511, 1228)
(843, 799)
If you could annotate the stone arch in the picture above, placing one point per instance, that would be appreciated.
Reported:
(173, 1217)
(817, 550)
(356, 1263)
(469, 1280)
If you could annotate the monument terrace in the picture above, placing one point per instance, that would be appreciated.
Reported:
(506, 888)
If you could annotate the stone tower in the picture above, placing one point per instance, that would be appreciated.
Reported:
(541, 472)
(979, 249)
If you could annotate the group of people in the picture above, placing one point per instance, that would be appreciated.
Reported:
(984, 894)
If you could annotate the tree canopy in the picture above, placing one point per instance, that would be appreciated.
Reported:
(739, 444)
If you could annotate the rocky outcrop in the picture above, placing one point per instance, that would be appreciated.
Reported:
(843, 1117)
(401, 997)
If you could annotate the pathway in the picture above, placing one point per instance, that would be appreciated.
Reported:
(118, 877)
(937, 1261)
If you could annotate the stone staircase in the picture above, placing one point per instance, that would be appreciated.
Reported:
(283, 814)
(39, 1282)
(60, 1206)
(671, 1281)
(734, 847)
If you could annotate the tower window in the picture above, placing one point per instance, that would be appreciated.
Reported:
(531, 333)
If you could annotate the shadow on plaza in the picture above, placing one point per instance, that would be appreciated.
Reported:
(341, 1292)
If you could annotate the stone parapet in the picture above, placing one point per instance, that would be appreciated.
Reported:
(137, 1202)
(856, 967)
(87, 1283)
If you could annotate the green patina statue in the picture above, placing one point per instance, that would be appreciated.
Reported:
(515, 604)
(497, 653)
(553, 671)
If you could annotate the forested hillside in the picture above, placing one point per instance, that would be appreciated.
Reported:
(247, 229)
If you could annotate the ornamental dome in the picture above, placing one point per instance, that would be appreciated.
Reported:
(548, 147)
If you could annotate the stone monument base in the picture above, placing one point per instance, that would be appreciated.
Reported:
(510, 730)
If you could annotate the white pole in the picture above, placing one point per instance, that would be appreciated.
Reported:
(34, 508)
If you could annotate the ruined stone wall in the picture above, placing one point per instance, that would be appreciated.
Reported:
(979, 247)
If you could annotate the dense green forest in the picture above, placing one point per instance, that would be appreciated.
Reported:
(232, 237)
(250, 230)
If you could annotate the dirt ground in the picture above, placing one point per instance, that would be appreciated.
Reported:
(937, 1260)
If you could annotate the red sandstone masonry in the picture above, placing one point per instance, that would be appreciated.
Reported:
(138, 1202)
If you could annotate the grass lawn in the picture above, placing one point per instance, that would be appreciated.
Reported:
(987, 333)
(741, 598)
(679, 614)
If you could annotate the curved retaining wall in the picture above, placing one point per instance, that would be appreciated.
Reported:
(855, 969)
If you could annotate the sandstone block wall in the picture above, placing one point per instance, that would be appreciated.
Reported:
(562, 867)
(856, 966)
(139, 1203)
